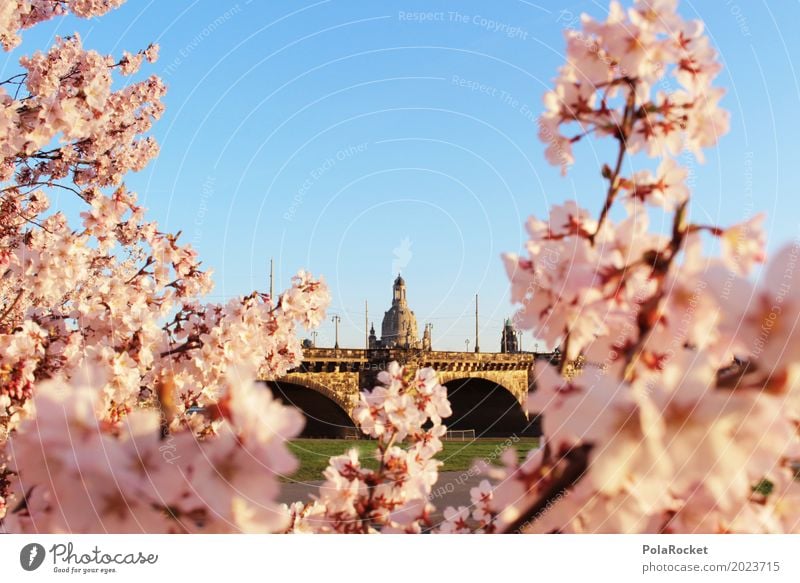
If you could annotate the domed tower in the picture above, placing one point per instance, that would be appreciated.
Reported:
(399, 327)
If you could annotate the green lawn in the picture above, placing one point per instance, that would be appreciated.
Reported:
(457, 455)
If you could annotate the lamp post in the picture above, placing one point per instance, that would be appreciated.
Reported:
(477, 342)
(336, 319)
(271, 274)
(466, 343)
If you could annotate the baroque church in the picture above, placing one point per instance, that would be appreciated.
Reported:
(399, 326)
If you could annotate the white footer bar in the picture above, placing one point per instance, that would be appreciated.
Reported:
(385, 559)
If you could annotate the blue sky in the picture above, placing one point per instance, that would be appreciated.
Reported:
(355, 139)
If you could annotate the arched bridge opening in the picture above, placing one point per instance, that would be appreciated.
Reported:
(325, 416)
(488, 408)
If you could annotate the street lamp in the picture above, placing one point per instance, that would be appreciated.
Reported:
(336, 320)
(466, 343)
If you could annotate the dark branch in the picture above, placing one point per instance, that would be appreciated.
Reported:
(577, 462)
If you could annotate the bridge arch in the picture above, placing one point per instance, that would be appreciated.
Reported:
(481, 401)
(513, 381)
(327, 412)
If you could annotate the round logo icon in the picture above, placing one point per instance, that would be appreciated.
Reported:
(31, 556)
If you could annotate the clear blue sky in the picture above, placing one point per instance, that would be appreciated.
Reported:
(339, 136)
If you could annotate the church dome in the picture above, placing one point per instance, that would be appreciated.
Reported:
(399, 326)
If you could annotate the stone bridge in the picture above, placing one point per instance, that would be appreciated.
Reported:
(486, 390)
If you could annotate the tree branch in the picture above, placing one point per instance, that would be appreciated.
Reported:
(577, 462)
(10, 308)
(622, 137)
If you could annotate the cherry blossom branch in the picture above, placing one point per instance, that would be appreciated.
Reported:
(662, 316)
(12, 79)
(142, 271)
(613, 175)
(660, 266)
(190, 344)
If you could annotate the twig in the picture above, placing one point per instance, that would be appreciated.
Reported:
(622, 138)
(10, 308)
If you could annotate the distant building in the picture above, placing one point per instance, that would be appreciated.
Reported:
(509, 340)
(426, 337)
(373, 340)
(399, 326)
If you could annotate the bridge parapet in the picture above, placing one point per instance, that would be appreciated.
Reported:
(358, 360)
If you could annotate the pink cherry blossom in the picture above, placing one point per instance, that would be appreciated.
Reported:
(675, 405)
(116, 296)
(127, 404)
(393, 498)
(743, 245)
